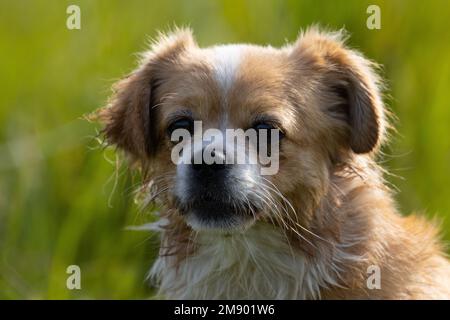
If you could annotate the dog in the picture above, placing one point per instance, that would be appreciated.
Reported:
(324, 226)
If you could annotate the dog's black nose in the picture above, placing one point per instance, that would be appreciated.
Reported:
(208, 166)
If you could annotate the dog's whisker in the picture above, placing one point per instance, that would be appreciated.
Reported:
(278, 216)
(277, 191)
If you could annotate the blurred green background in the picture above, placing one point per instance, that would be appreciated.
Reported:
(61, 202)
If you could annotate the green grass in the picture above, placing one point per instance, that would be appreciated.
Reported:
(61, 202)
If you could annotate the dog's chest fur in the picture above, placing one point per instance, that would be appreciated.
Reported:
(259, 264)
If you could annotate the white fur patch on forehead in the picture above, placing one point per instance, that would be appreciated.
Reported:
(226, 60)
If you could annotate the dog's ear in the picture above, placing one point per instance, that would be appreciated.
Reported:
(353, 84)
(130, 118)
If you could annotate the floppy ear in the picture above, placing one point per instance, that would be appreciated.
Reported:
(130, 119)
(352, 80)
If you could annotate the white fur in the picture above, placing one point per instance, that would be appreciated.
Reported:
(255, 264)
(226, 62)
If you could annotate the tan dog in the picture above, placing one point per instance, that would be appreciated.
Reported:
(320, 227)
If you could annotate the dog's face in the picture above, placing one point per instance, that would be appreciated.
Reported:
(321, 98)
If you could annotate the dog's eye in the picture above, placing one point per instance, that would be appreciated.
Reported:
(183, 123)
(264, 125)
(268, 127)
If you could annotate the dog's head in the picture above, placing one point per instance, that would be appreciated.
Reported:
(320, 98)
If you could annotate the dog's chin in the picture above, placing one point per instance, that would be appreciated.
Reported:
(231, 225)
(219, 217)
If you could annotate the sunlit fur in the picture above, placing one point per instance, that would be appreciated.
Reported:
(326, 216)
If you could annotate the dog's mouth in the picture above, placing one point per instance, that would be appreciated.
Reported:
(217, 214)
